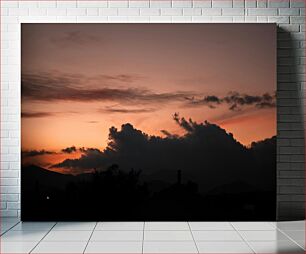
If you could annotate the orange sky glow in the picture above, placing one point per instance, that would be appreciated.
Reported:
(78, 80)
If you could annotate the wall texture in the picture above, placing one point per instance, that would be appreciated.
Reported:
(288, 14)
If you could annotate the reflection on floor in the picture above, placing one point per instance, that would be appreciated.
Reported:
(152, 237)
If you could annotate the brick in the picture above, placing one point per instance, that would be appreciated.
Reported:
(291, 174)
(172, 11)
(262, 4)
(233, 12)
(262, 12)
(211, 11)
(108, 11)
(291, 150)
(13, 205)
(57, 12)
(9, 197)
(139, 4)
(291, 189)
(181, 3)
(279, 20)
(18, 12)
(238, 3)
(128, 12)
(192, 11)
(94, 4)
(289, 11)
(118, 4)
(160, 4)
(222, 19)
(9, 173)
(222, 3)
(92, 11)
(250, 3)
(181, 19)
(150, 12)
(202, 3)
(297, 20)
(278, 3)
(8, 181)
(76, 11)
(9, 213)
(297, 3)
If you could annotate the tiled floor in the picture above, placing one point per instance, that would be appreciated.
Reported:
(152, 237)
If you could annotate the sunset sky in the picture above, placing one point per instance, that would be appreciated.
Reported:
(78, 80)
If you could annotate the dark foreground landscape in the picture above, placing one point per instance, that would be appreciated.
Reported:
(204, 175)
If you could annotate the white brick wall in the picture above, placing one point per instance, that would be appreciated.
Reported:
(291, 75)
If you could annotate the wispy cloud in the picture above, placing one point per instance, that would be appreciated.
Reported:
(32, 153)
(36, 114)
(76, 38)
(127, 110)
(235, 101)
(41, 87)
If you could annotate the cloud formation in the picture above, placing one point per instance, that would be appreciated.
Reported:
(32, 153)
(71, 149)
(41, 87)
(127, 110)
(235, 101)
(36, 114)
(76, 38)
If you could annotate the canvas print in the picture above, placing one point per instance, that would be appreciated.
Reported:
(129, 122)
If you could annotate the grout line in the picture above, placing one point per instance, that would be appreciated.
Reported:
(246, 242)
(143, 232)
(42, 238)
(193, 237)
(290, 238)
(90, 236)
(10, 228)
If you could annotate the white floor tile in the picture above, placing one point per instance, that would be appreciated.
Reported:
(114, 247)
(253, 226)
(116, 236)
(23, 236)
(63, 226)
(69, 236)
(273, 235)
(198, 225)
(291, 225)
(167, 235)
(166, 226)
(276, 247)
(60, 247)
(169, 247)
(33, 226)
(7, 225)
(216, 236)
(120, 226)
(297, 236)
(17, 247)
(223, 247)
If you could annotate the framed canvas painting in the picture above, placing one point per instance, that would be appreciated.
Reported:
(129, 122)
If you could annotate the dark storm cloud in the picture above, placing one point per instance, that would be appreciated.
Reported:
(71, 149)
(32, 153)
(36, 114)
(38, 87)
(236, 101)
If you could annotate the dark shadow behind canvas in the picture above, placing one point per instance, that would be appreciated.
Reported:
(204, 174)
